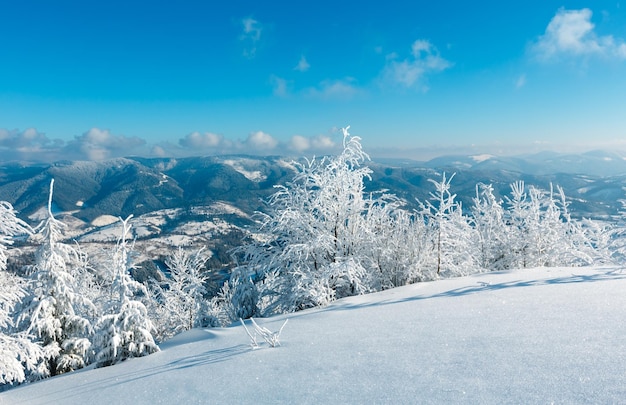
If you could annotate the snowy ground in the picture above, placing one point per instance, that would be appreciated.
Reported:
(526, 336)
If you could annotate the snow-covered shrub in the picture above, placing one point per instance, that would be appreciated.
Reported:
(237, 299)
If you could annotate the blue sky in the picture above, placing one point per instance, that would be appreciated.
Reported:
(93, 80)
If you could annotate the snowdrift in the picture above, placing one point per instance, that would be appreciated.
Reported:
(547, 335)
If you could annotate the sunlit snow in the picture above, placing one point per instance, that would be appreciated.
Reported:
(546, 335)
(481, 158)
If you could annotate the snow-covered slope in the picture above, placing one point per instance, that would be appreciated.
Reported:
(526, 336)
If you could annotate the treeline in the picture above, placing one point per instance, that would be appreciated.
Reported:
(321, 238)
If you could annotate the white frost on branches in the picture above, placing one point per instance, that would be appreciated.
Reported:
(125, 330)
(271, 338)
(54, 311)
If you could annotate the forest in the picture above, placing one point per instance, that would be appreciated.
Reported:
(322, 237)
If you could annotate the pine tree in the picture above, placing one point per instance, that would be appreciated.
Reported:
(19, 356)
(125, 330)
(53, 310)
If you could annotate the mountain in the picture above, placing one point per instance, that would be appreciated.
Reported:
(594, 163)
(125, 186)
(542, 335)
(212, 201)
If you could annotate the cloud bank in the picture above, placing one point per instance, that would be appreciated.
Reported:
(99, 144)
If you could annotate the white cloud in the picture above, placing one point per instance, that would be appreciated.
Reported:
(299, 143)
(521, 81)
(302, 65)
(197, 140)
(280, 86)
(99, 144)
(261, 141)
(158, 151)
(334, 89)
(316, 144)
(29, 140)
(250, 36)
(571, 33)
(410, 72)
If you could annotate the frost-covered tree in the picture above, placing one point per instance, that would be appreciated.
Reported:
(183, 299)
(316, 229)
(491, 229)
(583, 242)
(125, 330)
(397, 246)
(53, 310)
(453, 237)
(616, 239)
(542, 232)
(10, 226)
(19, 356)
(237, 299)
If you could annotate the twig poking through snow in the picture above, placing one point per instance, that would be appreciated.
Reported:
(253, 341)
(271, 338)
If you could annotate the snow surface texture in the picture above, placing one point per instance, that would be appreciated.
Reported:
(547, 335)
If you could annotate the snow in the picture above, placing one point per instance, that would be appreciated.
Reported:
(104, 220)
(254, 175)
(545, 335)
(481, 158)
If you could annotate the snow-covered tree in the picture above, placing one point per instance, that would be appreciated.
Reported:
(10, 226)
(542, 232)
(617, 236)
(396, 248)
(125, 330)
(316, 248)
(183, 299)
(53, 310)
(583, 242)
(453, 237)
(19, 356)
(534, 226)
(491, 229)
(237, 299)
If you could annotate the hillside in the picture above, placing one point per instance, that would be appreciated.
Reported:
(125, 186)
(545, 335)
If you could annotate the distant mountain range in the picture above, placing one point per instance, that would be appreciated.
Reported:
(120, 187)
